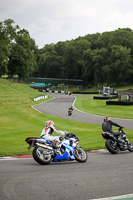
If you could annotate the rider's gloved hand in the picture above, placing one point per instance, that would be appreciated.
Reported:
(68, 135)
(121, 127)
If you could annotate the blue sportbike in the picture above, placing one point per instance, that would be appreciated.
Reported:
(44, 153)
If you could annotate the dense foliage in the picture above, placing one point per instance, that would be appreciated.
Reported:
(18, 50)
(95, 58)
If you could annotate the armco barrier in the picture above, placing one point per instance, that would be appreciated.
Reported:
(105, 97)
(56, 91)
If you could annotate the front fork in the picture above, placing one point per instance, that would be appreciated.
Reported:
(76, 149)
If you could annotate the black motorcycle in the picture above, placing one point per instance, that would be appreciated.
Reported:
(114, 144)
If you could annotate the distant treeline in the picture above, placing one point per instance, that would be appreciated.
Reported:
(95, 58)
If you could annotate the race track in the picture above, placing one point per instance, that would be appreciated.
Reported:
(59, 105)
(104, 175)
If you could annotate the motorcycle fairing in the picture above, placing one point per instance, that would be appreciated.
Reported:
(68, 154)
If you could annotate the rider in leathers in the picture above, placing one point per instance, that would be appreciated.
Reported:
(48, 131)
(107, 126)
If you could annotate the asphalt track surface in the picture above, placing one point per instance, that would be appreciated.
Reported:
(103, 175)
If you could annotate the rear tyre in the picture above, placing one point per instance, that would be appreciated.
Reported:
(111, 146)
(40, 157)
(130, 146)
(80, 154)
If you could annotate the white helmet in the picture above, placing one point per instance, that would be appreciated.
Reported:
(49, 123)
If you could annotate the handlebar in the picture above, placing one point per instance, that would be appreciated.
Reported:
(120, 129)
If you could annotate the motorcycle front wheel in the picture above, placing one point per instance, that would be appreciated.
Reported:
(80, 154)
(111, 146)
(130, 146)
(40, 157)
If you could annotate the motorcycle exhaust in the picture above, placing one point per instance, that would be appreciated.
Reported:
(44, 146)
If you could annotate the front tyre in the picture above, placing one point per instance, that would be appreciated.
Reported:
(80, 154)
(111, 146)
(40, 157)
(130, 146)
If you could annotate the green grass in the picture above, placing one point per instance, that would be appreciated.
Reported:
(19, 121)
(17, 118)
(87, 104)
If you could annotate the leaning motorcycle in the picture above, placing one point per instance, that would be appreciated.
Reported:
(114, 144)
(44, 153)
(70, 111)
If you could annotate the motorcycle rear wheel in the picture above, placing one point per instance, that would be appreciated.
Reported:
(40, 157)
(111, 146)
(130, 146)
(80, 154)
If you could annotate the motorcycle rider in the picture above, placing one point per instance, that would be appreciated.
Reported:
(71, 108)
(48, 131)
(107, 126)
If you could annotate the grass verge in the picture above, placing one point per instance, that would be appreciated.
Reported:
(87, 104)
(19, 121)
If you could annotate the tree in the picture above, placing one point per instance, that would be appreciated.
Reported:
(87, 70)
(70, 61)
(22, 59)
(50, 62)
(121, 64)
(95, 61)
(7, 37)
